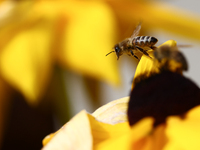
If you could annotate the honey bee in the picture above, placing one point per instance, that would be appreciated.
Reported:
(169, 58)
(135, 43)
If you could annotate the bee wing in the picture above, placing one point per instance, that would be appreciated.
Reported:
(137, 30)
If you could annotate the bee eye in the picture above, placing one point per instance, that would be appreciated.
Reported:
(117, 49)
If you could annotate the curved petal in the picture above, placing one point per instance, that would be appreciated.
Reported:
(26, 44)
(126, 140)
(160, 15)
(146, 64)
(25, 60)
(113, 112)
(82, 132)
(184, 133)
(76, 134)
(89, 36)
(155, 140)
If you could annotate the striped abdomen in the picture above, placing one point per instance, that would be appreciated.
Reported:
(142, 41)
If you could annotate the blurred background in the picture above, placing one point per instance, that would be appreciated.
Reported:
(53, 64)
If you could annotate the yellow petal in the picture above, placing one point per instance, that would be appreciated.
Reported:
(76, 134)
(86, 132)
(103, 131)
(89, 36)
(82, 132)
(194, 113)
(172, 19)
(160, 15)
(48, 138)
(184, 133)
(25, 60)
(85, 33)
(113, 112)
(126, 140)
(146, 64)
(153, 141)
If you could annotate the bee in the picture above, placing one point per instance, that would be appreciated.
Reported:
(135, 43)
(169, 58)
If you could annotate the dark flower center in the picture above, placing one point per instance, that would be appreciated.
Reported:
(162, 95)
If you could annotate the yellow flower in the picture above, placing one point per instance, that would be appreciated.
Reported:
(36, 34)
(107, 128)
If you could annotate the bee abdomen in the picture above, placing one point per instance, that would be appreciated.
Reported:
(145, 41)
(153, 40)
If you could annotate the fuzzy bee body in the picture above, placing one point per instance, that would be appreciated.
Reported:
(135, 43)
(170, 59)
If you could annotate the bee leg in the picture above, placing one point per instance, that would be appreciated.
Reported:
(134, 55)
(153, 47)
(143, 51)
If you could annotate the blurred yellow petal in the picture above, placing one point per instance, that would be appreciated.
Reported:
(25, 61)
(82, 132)
(194, 114)
(160, 15)
(89, 36)
(173, 19)
(146, 65)
(103, 131)
(126, 140)
(86, 33)
(153, 141)
(113, 112)
(85, 129)
(80, 33)
(76, 134)
(184, 133)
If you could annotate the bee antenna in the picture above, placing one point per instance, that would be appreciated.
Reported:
(109, 53)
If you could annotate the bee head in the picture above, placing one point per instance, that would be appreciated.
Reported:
(118, 50)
